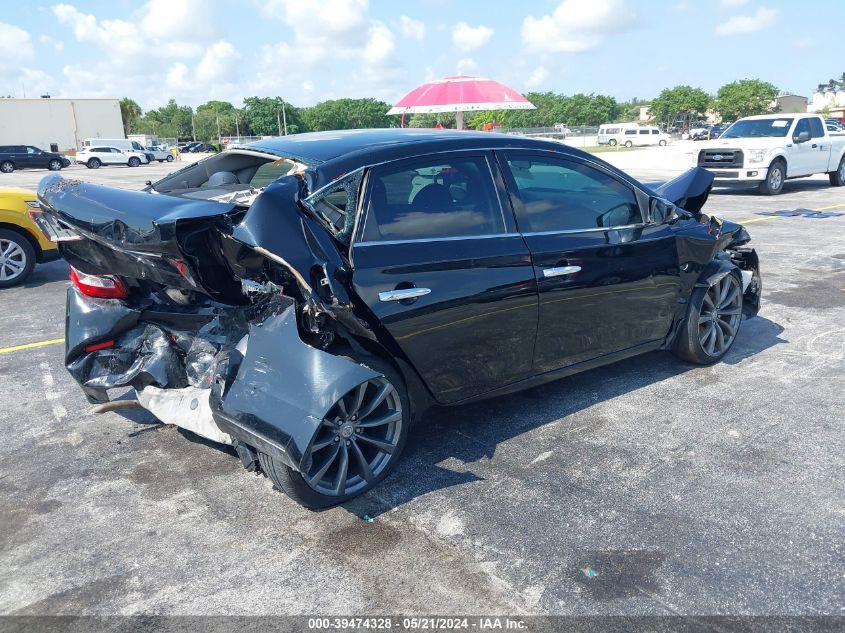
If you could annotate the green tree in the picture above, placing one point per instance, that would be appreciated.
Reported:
(745, 98)
(130, 112)
(171, 120)
(348, 114)
(445, 119)
(265, 118)
(679, 102)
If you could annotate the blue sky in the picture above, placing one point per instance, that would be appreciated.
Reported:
(310, 50)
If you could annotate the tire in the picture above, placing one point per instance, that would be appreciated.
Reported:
(93, 163)
(705, 335)
(612, 142)
(17, 258)
(134, 162)
(837, 178)
(170, 158)
(7, 167)
(628, 144)
(54, 165)
(394, 407)
(775, 177)
(662, 143)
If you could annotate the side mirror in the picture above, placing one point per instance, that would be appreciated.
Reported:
(661, 211)
(801, 137)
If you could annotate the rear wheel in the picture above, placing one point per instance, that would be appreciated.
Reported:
(775, 177)
(54, 165)
(837, 178)
(712, 322)
(93, 163)
(357, 445)
(17, 258)
(612, 142)
(7, 167)
(134, 161)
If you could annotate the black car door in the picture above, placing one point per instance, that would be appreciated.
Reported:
(607, 280)
(35, 157)
(439, 262)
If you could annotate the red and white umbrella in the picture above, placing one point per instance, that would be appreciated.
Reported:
(460, 94)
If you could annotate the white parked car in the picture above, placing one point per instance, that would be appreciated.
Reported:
(96, 156)
(160, 154)
(768, 149)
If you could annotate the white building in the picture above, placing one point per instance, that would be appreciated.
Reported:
(58, 124)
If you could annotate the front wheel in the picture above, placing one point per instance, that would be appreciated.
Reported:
(712, 322)
(628, 144)
(357, 444)
(775, 177)
(170, 158)
(54, 165)
(837, 178)
(134, 161)
(17, 258)
(662, 143)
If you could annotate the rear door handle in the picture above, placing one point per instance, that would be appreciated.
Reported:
(814, 145)
(560, 270)
(402, 294)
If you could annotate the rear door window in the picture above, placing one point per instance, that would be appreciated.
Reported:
(433, 198)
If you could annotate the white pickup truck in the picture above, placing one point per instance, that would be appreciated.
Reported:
(768, 149)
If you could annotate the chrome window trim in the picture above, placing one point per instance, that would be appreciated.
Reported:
(452, 238)
(591, 230)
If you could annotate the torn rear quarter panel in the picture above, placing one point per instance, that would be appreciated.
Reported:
(275, 393)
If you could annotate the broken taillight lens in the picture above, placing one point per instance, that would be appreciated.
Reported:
(99, 286)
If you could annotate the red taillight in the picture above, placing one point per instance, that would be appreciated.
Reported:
(98, 346)
(101, 287)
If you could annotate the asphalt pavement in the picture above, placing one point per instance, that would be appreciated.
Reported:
(644, 488)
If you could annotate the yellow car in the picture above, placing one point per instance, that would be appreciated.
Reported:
(22, 244)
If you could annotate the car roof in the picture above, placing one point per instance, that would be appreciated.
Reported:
(780, 115)
(334, 154)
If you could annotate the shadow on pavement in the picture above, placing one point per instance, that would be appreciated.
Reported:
(473, 432)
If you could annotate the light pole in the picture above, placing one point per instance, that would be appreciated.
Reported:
(284, 118)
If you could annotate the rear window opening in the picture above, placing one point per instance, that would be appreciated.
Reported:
(234, 176)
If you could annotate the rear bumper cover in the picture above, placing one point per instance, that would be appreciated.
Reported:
(269, 389)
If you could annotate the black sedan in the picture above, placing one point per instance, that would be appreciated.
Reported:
(306, 299)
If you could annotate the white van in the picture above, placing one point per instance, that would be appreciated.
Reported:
(612, 133)
(120, 143)
(631, 134)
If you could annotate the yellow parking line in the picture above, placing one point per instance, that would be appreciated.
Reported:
(768, 217)
(833, 206)
(17, 348)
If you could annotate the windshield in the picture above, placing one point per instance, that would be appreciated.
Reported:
(754, 128)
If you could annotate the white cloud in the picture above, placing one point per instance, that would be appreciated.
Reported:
(15, 46)
(467, 64)
(56, 45)
(762, 19)
(576, 26)
(336, 37)
(468, 38)
(733, 3)
(412, 29)
(537, 77)
(218, 63)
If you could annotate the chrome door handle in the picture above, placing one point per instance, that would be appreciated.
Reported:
(561, 270)
(404, 293)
